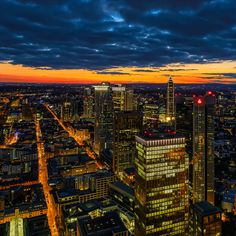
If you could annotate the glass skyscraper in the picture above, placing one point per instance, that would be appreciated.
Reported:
(203, 148)
(103, 117)
(161, 188)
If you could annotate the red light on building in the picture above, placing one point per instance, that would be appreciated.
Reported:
(199, 101)
(209, 92)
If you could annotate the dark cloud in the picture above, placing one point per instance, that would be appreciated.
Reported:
(179, 69)
(112, 73)
(220, 75)
(105, 34)
(145, 70)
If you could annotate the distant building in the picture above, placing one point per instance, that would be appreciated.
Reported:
(88, 103)
(210, 132)
(161, 187)
(170, 101)
(66, 111)
(150, 116)
(203, 149)
(123, 98)
(205, 219)
(103, 117)
(127, 124)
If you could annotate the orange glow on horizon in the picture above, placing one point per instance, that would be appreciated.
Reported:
(182, 73)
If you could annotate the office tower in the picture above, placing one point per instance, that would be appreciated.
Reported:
(123, 98)
(66, 111)
(88, 103)
(170, 101)
(161, 188)
(127, 124)
(150, 116)
(205, 219)
(184, 120)
(76, 110)
(203, 149)
(103, 117)
(199, 159)
(210, 174)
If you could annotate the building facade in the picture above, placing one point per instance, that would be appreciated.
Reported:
(161, 188)
(103, 129)
(123, 98)
(170, 100)
(203, 148)
(205, 219)
(127, 124)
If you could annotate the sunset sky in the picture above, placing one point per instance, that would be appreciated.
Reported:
(123, 41)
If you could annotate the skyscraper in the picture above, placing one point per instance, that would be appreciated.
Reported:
(210, 130)
(127, 124)
(170, 100)
(123, 98)
(88, 103)
(161, 188)
(103, 117)
(66, 111)
(203, 154)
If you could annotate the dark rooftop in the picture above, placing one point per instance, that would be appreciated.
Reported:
(146, 135)
(104, 225)
(205, 208)
(123, 188)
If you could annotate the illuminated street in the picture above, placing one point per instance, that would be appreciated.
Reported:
(78, 139)
(43, 178)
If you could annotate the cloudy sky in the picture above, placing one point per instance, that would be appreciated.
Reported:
(87, 41)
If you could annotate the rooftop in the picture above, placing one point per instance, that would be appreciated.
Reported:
(159, 135)
(104, 225)
(205, 208)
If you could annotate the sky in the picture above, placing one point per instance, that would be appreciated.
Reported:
(121, 41)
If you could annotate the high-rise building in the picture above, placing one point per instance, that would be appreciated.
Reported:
(203, 149)
(66, 111)
(123, 98)
(170, 101)
(150, 116)
(199, 160)
(88, 103)
(205, 219)
(103, 117)
(127, 124)
(161, 188)
(210, 174)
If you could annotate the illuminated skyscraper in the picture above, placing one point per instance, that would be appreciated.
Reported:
(66, 111)
(161, 188)
(88, 103)
(203, 149)
(123, 98)
(127, 124)
(170, 100)
(103, 117)
(210, 130)
(199, 159)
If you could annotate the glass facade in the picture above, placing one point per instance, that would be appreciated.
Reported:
(103, 129)
(203, 148)
(127, 124)
(161, 189)
(199, 158)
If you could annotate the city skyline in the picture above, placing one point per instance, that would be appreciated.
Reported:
(117, 41)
